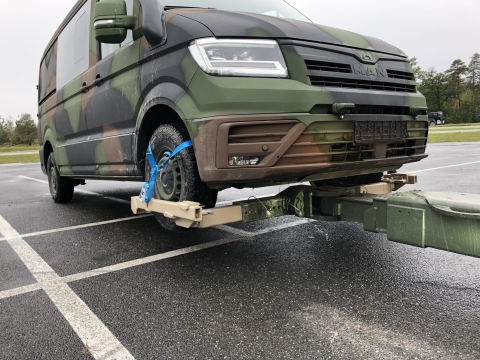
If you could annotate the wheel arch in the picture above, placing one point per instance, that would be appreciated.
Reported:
(157, 115)
(158, 108)
(48, 144)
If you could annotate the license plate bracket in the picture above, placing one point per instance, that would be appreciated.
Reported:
(371, 132)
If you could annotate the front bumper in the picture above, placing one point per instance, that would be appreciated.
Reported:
(289, 124)
(297, 147)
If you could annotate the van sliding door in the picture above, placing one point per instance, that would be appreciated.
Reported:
(113, 105)
(74, 154)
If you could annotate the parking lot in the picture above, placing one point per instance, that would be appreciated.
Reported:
(89, 280)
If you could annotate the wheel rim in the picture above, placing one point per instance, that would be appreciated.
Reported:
(168, 185)
(53, 181)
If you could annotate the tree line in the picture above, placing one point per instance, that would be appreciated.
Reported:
(455, 91)
(21, 131)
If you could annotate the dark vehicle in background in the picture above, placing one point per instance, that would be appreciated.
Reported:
(436, 118)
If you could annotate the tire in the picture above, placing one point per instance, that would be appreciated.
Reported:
(61, 188)
(179, 180)
(432, 123)
(439, 122)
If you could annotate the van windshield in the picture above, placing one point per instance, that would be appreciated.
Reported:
(277, 8)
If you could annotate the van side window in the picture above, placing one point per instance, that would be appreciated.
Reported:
(107, 49)
(73, 47)
(48, 74)
(81, 38)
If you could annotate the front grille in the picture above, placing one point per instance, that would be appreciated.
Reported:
(361, 84)
(402, 75)
(358, 152)
(351, 152)
(314, 65)
(321, 142)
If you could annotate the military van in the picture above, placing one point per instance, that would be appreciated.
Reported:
(264, 95)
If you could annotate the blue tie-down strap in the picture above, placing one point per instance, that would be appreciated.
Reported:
(146, 194)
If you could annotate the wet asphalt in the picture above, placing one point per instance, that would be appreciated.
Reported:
(277, 289)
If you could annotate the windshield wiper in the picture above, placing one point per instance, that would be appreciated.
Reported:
(169, 7)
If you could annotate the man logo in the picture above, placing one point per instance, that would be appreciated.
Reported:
(368, 70)
(367, 57)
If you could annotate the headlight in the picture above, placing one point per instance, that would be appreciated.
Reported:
(228, 57)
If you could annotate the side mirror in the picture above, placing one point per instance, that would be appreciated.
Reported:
(111, 21)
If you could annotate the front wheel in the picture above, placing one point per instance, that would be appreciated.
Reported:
(179, 180)
(61, 188)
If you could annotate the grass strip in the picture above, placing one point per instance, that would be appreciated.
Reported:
(19, 159)
(454, 137)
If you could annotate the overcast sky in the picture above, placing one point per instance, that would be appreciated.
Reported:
(435, 31)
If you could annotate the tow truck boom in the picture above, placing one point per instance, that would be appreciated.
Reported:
(446, 221)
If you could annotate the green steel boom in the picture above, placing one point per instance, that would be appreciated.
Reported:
(445, 221)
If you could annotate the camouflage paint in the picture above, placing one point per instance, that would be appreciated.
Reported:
(99, 131)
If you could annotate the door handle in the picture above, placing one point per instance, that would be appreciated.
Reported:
(98, 81)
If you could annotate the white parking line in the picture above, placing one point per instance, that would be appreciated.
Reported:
(234, 231)
(241, 234)
(126, 202)
(93, 333)
(18, 291)
(283, 226)
(12, 236)
(76, 227)
(147, 260)
(121, 201)
(30, 178)
(175, 253)
(446, 167)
